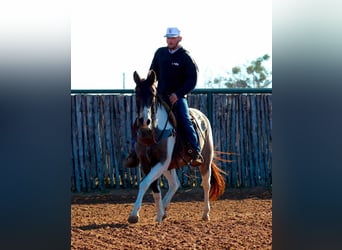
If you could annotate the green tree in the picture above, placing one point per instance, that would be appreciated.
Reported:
(250, 75)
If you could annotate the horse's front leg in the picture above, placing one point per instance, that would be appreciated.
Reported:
(158, 201)
(173, 181)
(153, 175)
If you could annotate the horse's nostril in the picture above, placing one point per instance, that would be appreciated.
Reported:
(144, 122)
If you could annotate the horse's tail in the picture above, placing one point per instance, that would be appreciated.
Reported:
(218, 184)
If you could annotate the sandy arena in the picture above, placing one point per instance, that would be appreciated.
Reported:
(240, 219)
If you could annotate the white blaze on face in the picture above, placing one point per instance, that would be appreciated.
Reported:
(146, 115)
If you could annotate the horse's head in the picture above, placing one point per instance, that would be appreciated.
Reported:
(146, 101)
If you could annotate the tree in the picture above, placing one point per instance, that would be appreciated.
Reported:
(250, 75)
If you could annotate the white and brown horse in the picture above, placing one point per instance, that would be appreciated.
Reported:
(155, 148)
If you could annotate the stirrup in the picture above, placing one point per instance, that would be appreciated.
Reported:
(197, 158)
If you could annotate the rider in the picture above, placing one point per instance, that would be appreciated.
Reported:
(177, 76)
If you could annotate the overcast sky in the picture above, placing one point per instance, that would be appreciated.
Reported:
(112, 38)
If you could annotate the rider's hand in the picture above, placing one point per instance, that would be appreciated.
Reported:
(173, 98)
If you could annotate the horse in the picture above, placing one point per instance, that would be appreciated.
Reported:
(157, 154)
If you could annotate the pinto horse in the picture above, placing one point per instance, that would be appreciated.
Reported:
(155, 148)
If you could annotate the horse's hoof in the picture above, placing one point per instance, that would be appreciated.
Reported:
(206, 218)
(133, 219)
(160, 219)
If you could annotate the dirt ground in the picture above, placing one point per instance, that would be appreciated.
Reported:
(240, 219)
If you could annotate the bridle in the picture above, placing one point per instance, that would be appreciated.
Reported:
(151, 134)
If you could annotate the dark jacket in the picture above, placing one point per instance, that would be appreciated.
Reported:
(176, 72)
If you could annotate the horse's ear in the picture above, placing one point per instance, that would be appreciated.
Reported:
(152, 76)
(136, 77)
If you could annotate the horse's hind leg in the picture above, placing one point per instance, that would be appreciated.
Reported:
(173, 181)
(206, 189)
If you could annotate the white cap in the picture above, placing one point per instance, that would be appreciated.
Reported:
(172, 32)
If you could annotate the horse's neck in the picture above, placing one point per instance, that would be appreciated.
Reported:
(162, 117)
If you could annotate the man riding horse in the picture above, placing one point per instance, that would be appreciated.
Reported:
(177, 76)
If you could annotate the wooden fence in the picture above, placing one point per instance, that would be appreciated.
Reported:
(101, 137)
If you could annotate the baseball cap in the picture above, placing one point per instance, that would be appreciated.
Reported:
(172, 32)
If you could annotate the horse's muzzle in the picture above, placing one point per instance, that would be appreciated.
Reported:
(144, 123)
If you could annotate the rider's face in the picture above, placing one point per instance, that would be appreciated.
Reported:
(172, 42)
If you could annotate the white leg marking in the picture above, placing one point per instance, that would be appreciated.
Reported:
(174, 184)
(159, 207)
(153, 175)
(206, 189)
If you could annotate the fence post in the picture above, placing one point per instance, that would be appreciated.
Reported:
(210, 107)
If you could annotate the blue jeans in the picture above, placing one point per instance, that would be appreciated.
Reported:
(181, 110)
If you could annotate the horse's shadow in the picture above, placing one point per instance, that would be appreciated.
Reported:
(103, 226)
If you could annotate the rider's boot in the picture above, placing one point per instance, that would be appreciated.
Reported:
(197, 158)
